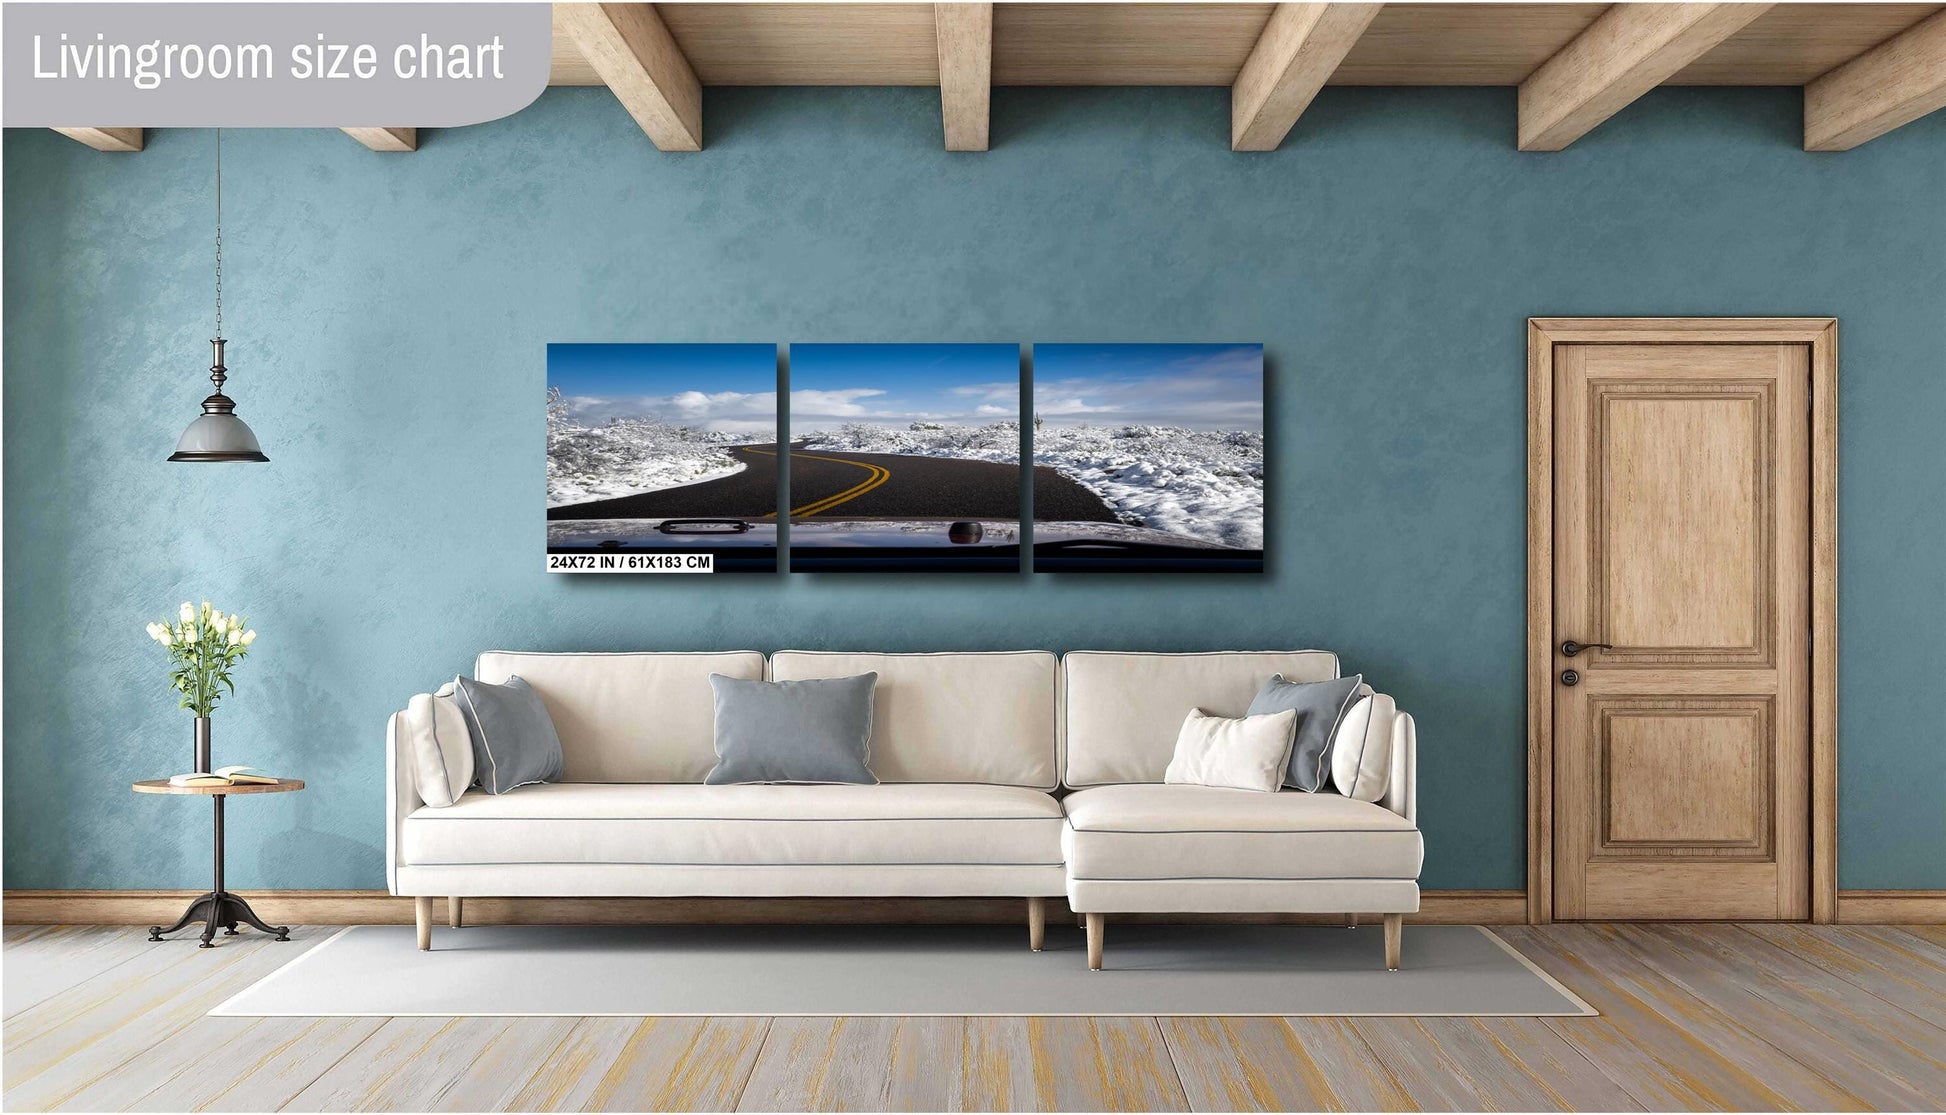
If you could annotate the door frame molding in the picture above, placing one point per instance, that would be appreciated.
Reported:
(1821, 334)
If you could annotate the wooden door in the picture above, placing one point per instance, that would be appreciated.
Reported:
(1682, 512)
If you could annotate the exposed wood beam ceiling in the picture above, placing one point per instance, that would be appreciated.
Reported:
(633, 53)
(965, 36)
(385, 139)
(1893, 84)
(1867, 68)
(1206, 44)
(1795, 44)
(1630, 50)
(1123, 44)
(1301, 46)
(106, 139)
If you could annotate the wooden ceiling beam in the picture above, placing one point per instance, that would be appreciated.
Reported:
(106, 139)
(1298, 51)
(640, 62)
(385, 139)
(1629, 50)
(1886, 87)
(965, 34)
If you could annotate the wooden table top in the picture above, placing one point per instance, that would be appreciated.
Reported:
(161, 786)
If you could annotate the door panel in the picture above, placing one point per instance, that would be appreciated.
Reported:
(1724, 743)
(1679, 476)
(1681, 517)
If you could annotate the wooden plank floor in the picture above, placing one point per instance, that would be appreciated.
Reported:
(1761, 1017)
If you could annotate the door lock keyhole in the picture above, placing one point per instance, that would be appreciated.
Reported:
(1570, 677)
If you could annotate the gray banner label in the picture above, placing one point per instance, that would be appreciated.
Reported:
(271, 65)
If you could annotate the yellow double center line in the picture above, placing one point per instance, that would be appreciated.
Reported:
(818, 507)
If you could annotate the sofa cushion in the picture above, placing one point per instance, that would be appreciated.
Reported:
(1242, 753)
(813, 732)
(754, 825)
(1361, 752)
(433, 731)
(514, 742)
(1320, 706)
(638, 717)
(1200, 832)
(1123, 709)
(956, 717)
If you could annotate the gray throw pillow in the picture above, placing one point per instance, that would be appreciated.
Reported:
(1319, 706)
(514, 743)
(793, 731)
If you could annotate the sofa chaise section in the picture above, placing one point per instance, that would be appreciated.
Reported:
(1248, 852)
(1136, 845)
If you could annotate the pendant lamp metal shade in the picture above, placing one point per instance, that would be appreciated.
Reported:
(218, 434)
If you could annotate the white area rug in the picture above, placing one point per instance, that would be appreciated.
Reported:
(904, 970)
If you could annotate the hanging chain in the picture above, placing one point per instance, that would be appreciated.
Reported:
(219, 232)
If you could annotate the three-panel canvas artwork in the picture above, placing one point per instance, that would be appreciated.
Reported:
(666, 458)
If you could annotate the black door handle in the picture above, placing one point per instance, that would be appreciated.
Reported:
(1570, 648)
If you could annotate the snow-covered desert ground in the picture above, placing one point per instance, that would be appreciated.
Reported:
(624, 456)
(996, 441)
(1207, 484)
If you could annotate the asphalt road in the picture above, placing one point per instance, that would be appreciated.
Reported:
(833, 485)
(750, 494)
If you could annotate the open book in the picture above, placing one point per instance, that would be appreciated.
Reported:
(224, 776)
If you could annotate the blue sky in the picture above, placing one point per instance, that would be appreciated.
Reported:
(719, 387)
(896, 385)
(1212, 387)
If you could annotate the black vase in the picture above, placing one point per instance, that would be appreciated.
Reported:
(202, 745)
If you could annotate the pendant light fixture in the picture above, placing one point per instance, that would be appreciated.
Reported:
(218, 435)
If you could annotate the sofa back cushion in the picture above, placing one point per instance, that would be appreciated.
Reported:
(956, 717)
(1123, 710)
(638, 717)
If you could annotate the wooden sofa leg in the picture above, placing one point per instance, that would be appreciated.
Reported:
(1394, 929)
(454, 907)
(1081, 921)
(422, 907)
(1351, 921)
(1036, 923)
(1096, 925)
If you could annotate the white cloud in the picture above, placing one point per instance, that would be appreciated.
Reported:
(731, 411)
(834, 404)
(1052, 407)
(825, 410)
(1224, 392)
(1005, 392)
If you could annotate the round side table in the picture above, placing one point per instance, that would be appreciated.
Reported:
(219, 906)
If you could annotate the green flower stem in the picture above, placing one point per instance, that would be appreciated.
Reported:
(201, 658)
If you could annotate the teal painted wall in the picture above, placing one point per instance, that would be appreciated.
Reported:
(387, 317)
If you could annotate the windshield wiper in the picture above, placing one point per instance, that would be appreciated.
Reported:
(702, 526)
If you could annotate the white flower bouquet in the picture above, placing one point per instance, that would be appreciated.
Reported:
(204, 646)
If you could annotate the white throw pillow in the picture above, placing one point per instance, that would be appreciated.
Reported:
(1361, 752)
(441, 749)
(1244, 753)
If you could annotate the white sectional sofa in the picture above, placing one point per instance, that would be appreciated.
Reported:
(1012, 774)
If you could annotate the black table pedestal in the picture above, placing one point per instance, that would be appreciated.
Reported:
(219, 906)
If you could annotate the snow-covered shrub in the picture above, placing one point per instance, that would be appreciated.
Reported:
(1207, 484)
(624, 456)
